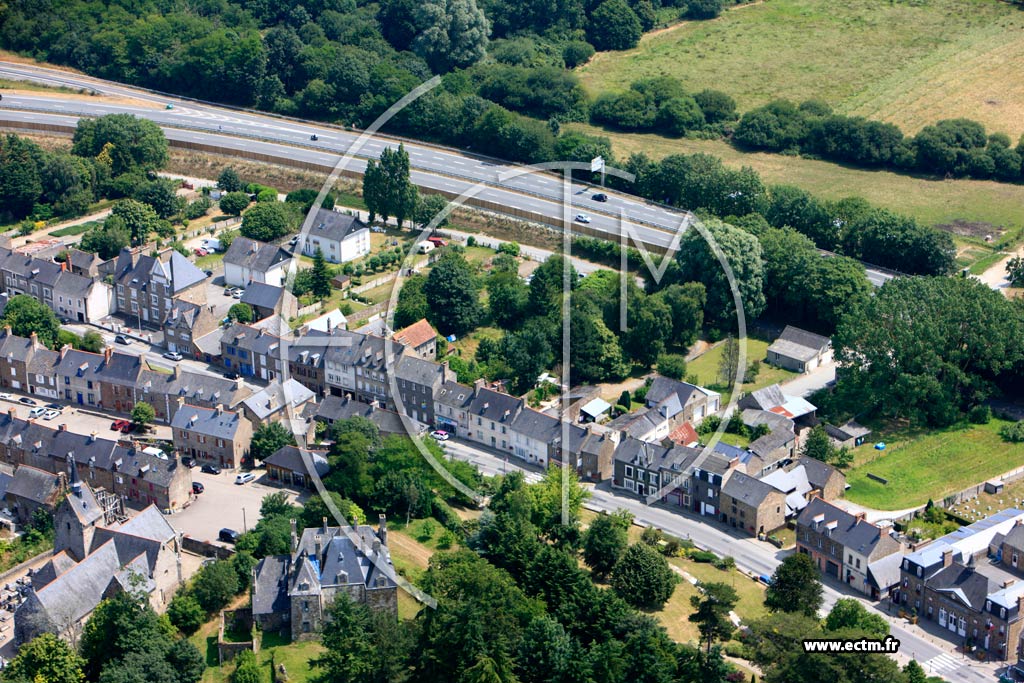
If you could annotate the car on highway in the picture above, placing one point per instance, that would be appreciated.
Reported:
(314, 137)
(582, 218)
(36, 412)
(26, 400)
(170, 106)
(228, 535)
(600, 197)
(118, 425)
(121, 339)
(440, 435)
(245, 478)
(50, 414)
(173, 355)
(197, 487)
(210, 469)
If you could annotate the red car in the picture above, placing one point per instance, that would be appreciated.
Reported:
(127, 427)
(118, 425)
(200, 251)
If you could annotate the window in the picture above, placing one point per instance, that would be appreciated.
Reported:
(653, 477)
(629, 471)
(629, 484)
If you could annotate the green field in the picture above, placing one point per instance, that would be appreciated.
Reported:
(705, 369)
(929, 464)
(911, 62)
(933, 202)
(79, 229)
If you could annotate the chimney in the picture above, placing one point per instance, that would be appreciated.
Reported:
(317, 545)
(62, 428)
(376, 546)
(1020, 604)
(478, 385)
(219, 410)
(63, 266)
(107, 353)
(7, 330)
(382, 529)
(12, 413)
(1009, 582)
(734, 463)
(35, 340)
(325, 525)
(92, 437)
(861, 516)
(181, 401)
(947, 557)
(174, 371)
(295, 535)
(63, 350)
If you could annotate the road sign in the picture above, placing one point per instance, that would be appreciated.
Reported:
(597, 164)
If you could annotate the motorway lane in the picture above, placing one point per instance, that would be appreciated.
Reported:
(751, 555)
(654, 224)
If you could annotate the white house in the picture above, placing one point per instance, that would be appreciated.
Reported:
(339, 236)
(247, 261)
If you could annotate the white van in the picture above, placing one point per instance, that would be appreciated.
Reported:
(212, 244)
(245, 478)
(425, 247)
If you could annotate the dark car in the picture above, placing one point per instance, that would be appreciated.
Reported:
(26, 400)
(230, 375)
(600, 197)
(314, 137)
(208, 273)
(188, 462)
(55, 406)
(197, 488)
(228, 535)
(210, 469)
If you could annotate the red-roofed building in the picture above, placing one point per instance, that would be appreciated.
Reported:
(419, 339)
(684, 435)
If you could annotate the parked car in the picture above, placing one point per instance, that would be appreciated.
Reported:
(188, 462)
(582, 218)
(4, 395)
(173, 355)
(440, 435)
(228, 535)
(50, 414)
(208, 273)
(36, 412)
(26, 400)
(210, 469)
(237, 294)
(230, 375)
(199, 251)
(245, 478)
(197, 487)
(128, 427)
(55, 406)
(121, 339)
(600, 197)
(118, 425)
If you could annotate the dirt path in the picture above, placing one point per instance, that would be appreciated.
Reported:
(995, 276)
(401, 544)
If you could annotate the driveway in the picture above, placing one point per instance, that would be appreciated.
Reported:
(224, 504)
(807, 384)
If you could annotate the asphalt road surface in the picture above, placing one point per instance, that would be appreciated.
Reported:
(434, 168)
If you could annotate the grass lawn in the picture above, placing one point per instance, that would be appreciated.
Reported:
(921, 464)
(911, 63)
(705, 368)
(76, 229)
(210, 261)
(931, 201)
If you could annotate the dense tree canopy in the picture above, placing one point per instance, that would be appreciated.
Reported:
(452, 290)
(130, 143)
(928, 348)
(267, 221)
(795, 587)
(26, 316)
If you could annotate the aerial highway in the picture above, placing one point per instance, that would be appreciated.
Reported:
(494, 185)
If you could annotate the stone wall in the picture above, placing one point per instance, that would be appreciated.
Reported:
(235, 620)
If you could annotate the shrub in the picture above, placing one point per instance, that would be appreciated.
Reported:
(703, 556)
(1013, 433)
(724, 563)
(446, 540)
(710, 425)
(471, 241)
(651, 535)
(980, 415)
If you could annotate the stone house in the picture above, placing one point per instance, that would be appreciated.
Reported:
(34, 489)
(799, 350)
(752, 505)
(419, 339)
(212, 436)
(293, 592)
(185, 323)
(418, 381)
(146, 287)
(247, 261)
(288, 466)
(340, 237)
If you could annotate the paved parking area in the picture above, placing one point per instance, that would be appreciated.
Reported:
(77, 419)
(224, 504)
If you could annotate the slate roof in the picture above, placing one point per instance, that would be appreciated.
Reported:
(765, 445)
(754, 416)
(15, 348)
(254, 255)
(75, 594)
(537, 425)
(419, 371)
(850, 430)
(764, 399)
(333, 408)
(747, 490)
(818, 472)
(967, 585)
(275, 397)
(254, 340)
(36, 485)
(262, 295)
(854, 534)
(883, 574)
(334, 226)
(58, 564)
(455, 395)
(194, 387)
(494, 405)
(291, 458)
(967, 540)
(1015, 537)
(417, 334)
(799, 344)
(182, 272)
(137, 270)
(83, 260)
(339, 553)
(637, 424)
(671, 394)
(270, 589)
(150, 524)
(654, 456)
(221, 424)
(361, 350)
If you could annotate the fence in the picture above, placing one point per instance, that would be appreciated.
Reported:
(206, 549)
(973, 492)
(375, 282)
